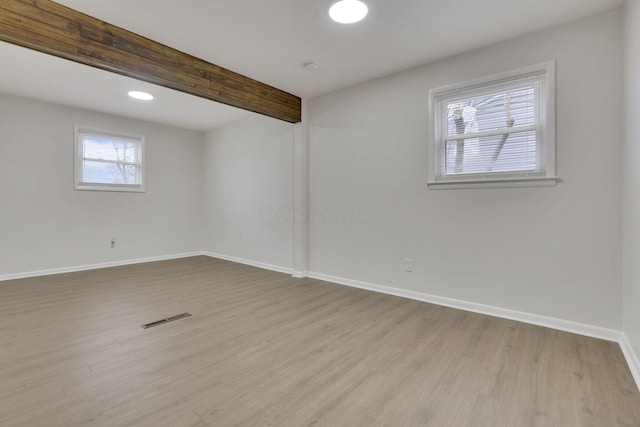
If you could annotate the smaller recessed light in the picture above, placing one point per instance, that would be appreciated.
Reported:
(348, 11)
(142, 96)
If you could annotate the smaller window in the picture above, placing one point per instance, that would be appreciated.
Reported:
(108, 161)
(494, 132)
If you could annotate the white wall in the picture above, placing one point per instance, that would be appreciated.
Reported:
(248, 191)
(548, 251)
(45, 224)
(631, 170)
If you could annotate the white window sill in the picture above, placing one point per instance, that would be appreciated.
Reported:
(110, 187)
(495, 183)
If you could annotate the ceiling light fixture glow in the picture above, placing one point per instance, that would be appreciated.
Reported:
(348, 11)
(142, 96)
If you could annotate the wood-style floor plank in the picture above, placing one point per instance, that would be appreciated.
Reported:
(263, 348)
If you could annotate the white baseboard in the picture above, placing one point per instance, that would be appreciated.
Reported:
(534, 319)
(549, 322)
(252, 263)
(96, 266)
(632, 358)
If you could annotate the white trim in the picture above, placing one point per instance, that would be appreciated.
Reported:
(495, 183)
(258, 264)
(79, 184)
(632, 358)
(497, 79)
(300, 196)
(548, 322)
(85, 267)
(534, 319)
(124, 188)
(545, 126)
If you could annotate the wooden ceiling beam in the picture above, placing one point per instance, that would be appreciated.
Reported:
(49, 27)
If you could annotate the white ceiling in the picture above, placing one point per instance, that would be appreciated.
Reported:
(270, 40)
(35, 75)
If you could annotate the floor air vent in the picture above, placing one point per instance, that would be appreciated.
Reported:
(167, 320)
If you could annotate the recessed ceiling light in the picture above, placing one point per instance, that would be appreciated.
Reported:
(348, 11)
(142, 96)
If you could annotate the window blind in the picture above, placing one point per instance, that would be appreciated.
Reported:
(492, 130)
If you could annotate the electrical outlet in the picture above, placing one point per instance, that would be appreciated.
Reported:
(408, 264)
(113, 242)
(245, 240)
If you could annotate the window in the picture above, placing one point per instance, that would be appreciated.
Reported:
(494, 132)
(108, 161)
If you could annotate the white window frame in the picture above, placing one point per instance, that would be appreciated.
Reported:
(545, 132)
(79, 157)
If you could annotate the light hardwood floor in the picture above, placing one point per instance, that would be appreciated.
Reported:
(265, 349)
